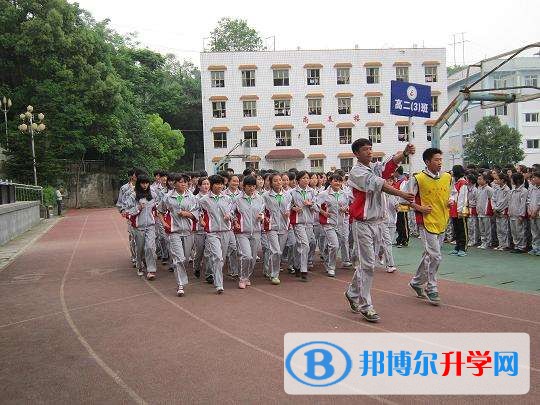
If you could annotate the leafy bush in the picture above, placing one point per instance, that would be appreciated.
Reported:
(49, 196)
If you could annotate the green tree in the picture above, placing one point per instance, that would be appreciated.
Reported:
(492, 143)
(450, 70)
(95, 87)
(235, 35)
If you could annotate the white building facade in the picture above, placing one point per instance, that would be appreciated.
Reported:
(304, 108)
(525, 116)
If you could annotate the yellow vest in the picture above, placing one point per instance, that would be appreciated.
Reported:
(435, 193)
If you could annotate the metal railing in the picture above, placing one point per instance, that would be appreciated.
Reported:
(12, 192)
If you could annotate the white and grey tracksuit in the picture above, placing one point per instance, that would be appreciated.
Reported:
(180, 233)
(517, 211)
(474, 234)
(141, 215)
(126, 194)
(276, 227)
(162, 242)
(248, 213)
(533, 211)
(484, 209)
(199, 243)
(336, 204)
(232, 250)
(302, 223)
(501, 198)
(216, 214)
(389, 228)
(367, 211)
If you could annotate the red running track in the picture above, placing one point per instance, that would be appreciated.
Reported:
(78, 326)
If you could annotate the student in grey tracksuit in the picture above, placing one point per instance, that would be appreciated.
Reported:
(277, 205)
(200, 237)
(162, 249)
(233, 191)
(332, 205)
(140, 211)
(484, 194)
(216, 219)
(533, 211)
(389, 229)
(517, 211)
(301, 217)
(248, 215)
(181, 209)
(367, 211)
(501, 196)
(123, 194)
(472, 221)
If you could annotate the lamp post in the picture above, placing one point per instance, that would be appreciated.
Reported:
(29, 125)
(5, 105)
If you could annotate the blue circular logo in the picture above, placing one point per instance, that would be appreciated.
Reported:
(318, 364)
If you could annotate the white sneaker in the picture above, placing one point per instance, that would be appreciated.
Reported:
(391, 269)
(346, 264)
(331, 273)
(180, 291)
(140, 273)
(482, 247)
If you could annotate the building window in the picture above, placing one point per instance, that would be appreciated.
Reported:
(282, 108)
(533, 143)
(403, 133)
(223, 166)
(345, 136)
(344, 105)
(430, 73)
(250, 138)
(434, 103)
(372, 75)
(314, 106)
(317, 165)
(313, 77)
(248, 78)
(250, 108)
(283, 137)
(218, 109)
(218, 78)
(465, 116)
(402, 73)
(346, 164)
(252, 165)
(315, 136)
(373, 105)
(531, 80)
(375, 134)
(501, 110)
(343, 75)
(428, 132)
(220, 140)
(499, 82)
(531, 117)
(281, 77)
(376, 159)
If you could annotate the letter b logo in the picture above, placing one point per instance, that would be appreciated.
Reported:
(317, 361)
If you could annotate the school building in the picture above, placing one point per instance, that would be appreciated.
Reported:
(525, 116)
(304, 108)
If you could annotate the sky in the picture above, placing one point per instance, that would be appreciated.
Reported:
(181, 28)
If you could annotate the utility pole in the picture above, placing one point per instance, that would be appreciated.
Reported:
(454, 44)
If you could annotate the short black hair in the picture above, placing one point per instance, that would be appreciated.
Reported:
(249, 171)
(249, 181)
(336, 177)
(429, 153)
(216, 179)
(301, 174)
(356, 145)
(458, 172)
(182, 176)
(517, 179)
(290, 175)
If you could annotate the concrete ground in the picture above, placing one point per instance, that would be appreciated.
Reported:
(78, 325)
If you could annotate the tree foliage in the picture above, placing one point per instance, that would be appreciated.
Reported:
(101, 94)
(492, 143)
(235, 35)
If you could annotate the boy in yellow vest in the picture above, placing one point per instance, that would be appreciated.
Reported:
(432, 190)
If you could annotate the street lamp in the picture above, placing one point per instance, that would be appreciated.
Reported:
(5, 105)
(29, 125)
